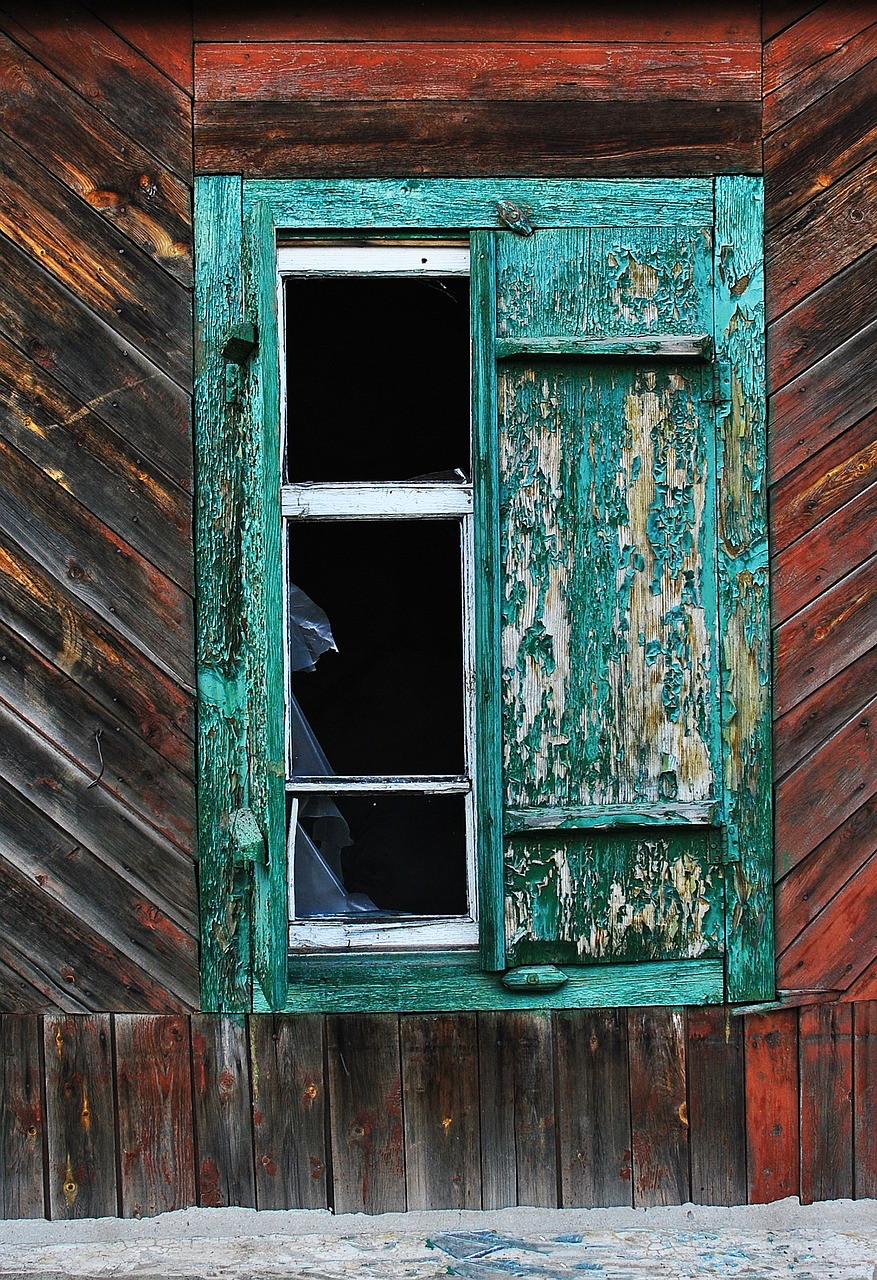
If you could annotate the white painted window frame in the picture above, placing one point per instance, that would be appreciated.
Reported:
(382, 501)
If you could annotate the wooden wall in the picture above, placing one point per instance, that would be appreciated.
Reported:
(97, 878)
(820, 158)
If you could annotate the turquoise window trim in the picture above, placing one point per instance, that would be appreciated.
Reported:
(244, 910)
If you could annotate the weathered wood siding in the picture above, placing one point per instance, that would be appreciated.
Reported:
(138, 1114)
(97, 877)
(820, 154)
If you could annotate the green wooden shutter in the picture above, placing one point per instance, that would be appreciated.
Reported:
(618, 842)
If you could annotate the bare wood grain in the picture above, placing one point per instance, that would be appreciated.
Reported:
(21, 1118)
(223, 1117)
(80, 1120)
(826, 1102)
(658, 1106)
(289, 1111)
(717, 1120)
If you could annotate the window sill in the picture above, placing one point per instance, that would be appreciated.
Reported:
(418, 983)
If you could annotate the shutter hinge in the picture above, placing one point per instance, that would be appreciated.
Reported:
(719, 383)
(534, 977)
(514, 217)
(248, 842)
(240, 343)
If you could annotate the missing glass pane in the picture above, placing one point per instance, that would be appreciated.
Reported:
(377, 378)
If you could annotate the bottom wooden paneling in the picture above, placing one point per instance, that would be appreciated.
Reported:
(137, 1114)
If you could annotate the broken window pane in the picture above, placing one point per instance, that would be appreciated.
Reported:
(390, 700)
(377, 377)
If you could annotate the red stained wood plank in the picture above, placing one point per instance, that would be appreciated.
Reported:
(825, 789)
(358, 71)
(864, 988)
(134, 773)
(825, 555)
(823, 639)
(717, 1118)
(771, 1076)
(658, 1106)
(518, 1156)
(821, 403)
(163, 34)
(365, 1091)
(289, 1111)
(108, 169)
(812, 884)
(113, 277)
(95, 656)
(837, 945)
(865, 1099)
(594, 1142)
(440, 1111)
(818, 78)
(108, 475)
(21, 1118)
(100, 897)
(272, 139)
(828, 317)
(826, 1102)
(815, 36)
(456, 20)
(96, 365)
(820, 146)
(154, 1090)
(779, 14)
(106, 71)
(223, 1112)
(820, 240)
(822, 484)
(80, 1117)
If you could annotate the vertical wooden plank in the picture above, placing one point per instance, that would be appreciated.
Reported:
(771, 1076)
(865, 1099)
(289, 1110)
(826, 1065)
(440, 1111)
(223, 1116)
(593, 1108)
(658, 1106)
(263, 607)
(743, 586)
(716, 1107)
(518, 1144)
(222, 730)
(488, 715)
(80, 1116)
(365, 1103)
(21, 1117)
(154, 1099)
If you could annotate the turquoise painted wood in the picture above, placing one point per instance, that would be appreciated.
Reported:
(428, 983)
(472, 203)
(743, 586)
(222, 690)
(485, 478)
(263, 606)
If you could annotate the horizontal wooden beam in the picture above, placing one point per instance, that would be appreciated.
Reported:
(695, 346)
(608, 816)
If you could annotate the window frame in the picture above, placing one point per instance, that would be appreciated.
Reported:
(243, 896)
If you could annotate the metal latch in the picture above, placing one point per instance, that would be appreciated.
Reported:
(534, 977)
(514, 217)
(719, 387)
(240, 343)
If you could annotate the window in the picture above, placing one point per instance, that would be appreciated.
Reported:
(546, 728)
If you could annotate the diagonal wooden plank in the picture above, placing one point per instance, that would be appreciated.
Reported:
(831, 231)
(828, 479)
(17, 995)
(98, 894)
(47, 992)
(163, 34)
(110, 170)
(826, 554)
(822, 792)
(102, 571)
(823, 639)
(823, 712)
(813, 151)
(815, 36)
(822, 402)
(95, 657)
(812, 884)
(815, 79)
(835, 312)
(109, 74)
(109, 475)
